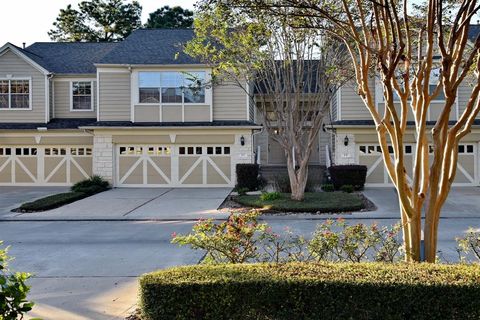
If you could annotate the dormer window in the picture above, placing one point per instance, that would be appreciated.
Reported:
(82, 97)
(15, 94)
(170, 87)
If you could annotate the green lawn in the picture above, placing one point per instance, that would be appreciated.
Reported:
(314, 202)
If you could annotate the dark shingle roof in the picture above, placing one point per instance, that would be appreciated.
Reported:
(152, 46)
(53, 124)
(68, 57)
(226, 123)
(371, 123)
(59, 123)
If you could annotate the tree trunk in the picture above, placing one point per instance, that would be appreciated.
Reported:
(298, 179)
(411, 228)
(431, 233)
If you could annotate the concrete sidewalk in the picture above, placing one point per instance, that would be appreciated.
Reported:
(139, 204)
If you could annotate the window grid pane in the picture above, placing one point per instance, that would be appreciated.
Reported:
(81, 95)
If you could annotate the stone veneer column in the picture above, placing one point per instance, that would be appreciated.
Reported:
(241, 154)
(103, 157)
(345, 154)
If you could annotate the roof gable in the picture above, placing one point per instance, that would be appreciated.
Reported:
(29, 58)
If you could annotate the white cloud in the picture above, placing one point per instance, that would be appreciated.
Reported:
(30, 20)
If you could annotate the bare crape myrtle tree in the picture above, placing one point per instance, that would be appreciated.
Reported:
(290, 72)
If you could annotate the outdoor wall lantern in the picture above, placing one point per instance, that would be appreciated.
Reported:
(242, 140)
(345, 141)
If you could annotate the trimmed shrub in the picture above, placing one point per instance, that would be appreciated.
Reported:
(94, 184)
(52, 202)
(351, 174)
(270, 196)
(328, 187)
(247, 176)
(348, 188)
(312, 291)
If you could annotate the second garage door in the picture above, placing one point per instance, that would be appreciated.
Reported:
(174, 165)
(371, 156)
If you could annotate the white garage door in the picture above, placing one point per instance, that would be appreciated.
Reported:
(371, 156)
(44, 165)
(174, 166)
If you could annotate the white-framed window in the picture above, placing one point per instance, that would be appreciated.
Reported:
(81, 93)
(171, 87)
(15, 94)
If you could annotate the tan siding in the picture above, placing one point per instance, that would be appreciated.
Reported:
(115, 93)
(229, 103)
(11, 64)
(352, 106)
(197, 113)
(147, 113)
(62, 102)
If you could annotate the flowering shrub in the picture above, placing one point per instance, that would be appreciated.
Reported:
(354, 243)
(13, 290)
(243, 239)
(233, 241)
(469, 245)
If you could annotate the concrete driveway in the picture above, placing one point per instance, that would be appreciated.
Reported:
(140, 204)
(13, 197)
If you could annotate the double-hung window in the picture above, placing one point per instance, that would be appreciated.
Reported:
(15, 94)
(171, 87)
(82, 97)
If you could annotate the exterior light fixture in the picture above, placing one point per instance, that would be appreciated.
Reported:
(242, 140)
(345, 141)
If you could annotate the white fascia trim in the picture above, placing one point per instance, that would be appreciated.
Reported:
(247, 86)
(339, 104)
(98, 96)
(9, 46)
(47, 99)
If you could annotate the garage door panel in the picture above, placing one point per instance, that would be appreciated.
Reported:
(156, 172)
(187, 163)
(83, 165)
(59, 175)
(214, 177)
(135, 176)
(164, 164)
(224, 164)
(5, 170)
(126, 164)
(195, 176)
(22, 174)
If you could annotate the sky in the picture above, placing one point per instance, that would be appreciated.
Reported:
(30, 20)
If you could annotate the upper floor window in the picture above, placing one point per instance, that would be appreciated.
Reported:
(15, 94)
(171, 87)
(82, 97)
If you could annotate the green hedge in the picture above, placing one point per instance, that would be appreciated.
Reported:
(312, 291)
(52, 202)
